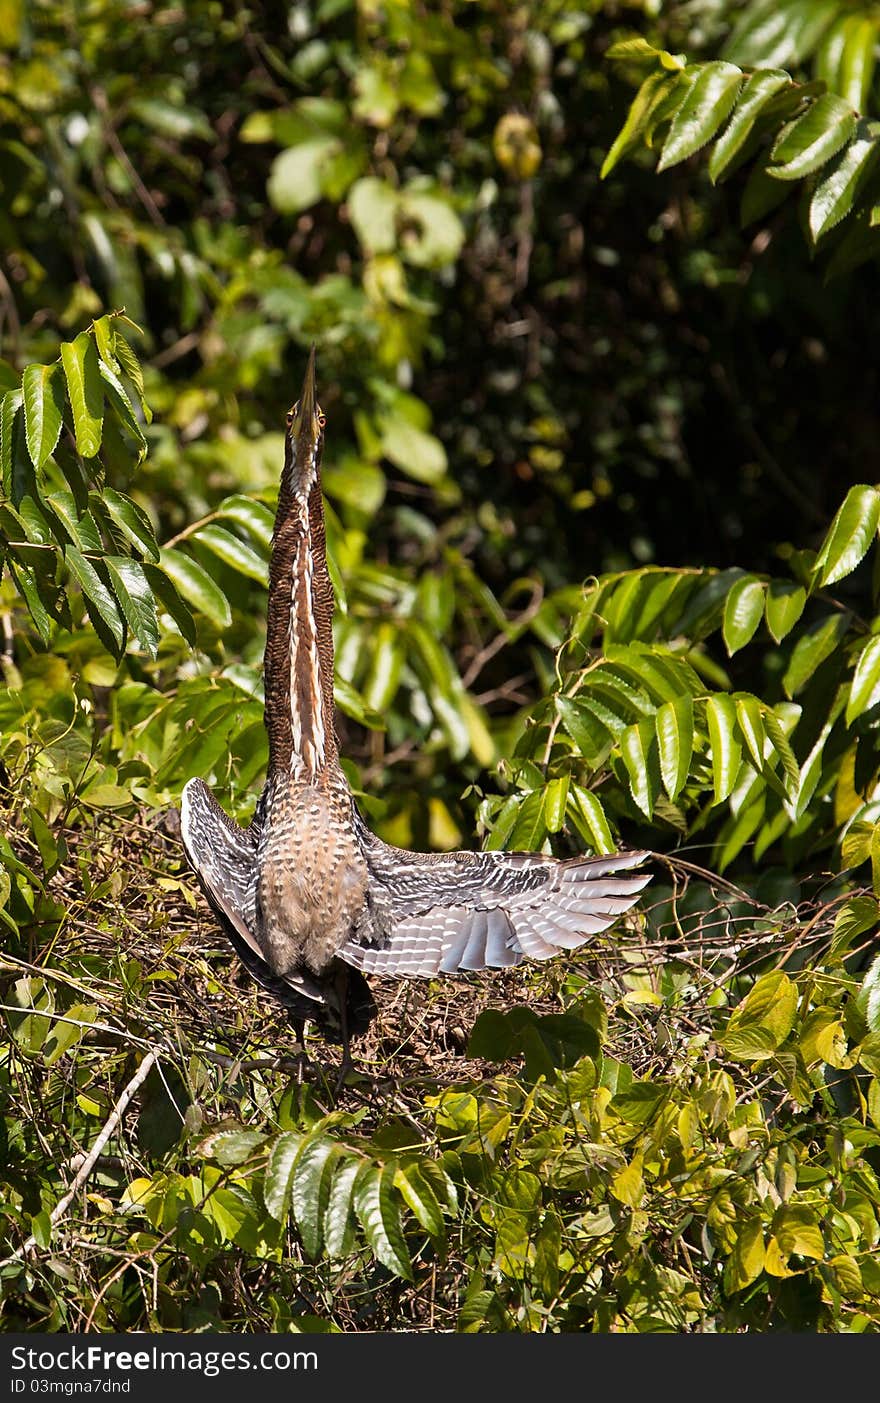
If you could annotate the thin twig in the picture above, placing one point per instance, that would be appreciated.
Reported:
(94, 1154)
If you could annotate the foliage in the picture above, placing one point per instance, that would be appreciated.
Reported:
(602, 521)
(818, 137)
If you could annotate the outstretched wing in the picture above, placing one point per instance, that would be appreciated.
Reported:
(224, 858)
(436, 914)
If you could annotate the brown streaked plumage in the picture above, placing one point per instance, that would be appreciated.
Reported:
(308, 896)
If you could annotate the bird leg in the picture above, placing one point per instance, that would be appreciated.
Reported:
(302, 1057)
(341, 983)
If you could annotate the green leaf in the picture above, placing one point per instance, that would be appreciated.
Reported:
(165, 592)
(383, 679)
(834, 196)
(122, 406)
(751, 725)
(43, 408)
(851, 533)
(811, 650)
(131, 365)
(9, 407)
(706, 106)
(379, 1217)
(726, 751)
(196, 586)
(781, 745)
(779, 31)
(746, 1260)
(857, 60)
(418, 1195)
(338, 1217)
(230, 1146)
(418, 454)
(588, 816)
(638, 747)
(373, 209)
(743, 611)
(763, 1020)
(85, 392)
(555, 803)
(132, 521)
(233, 552)
(296, 178)
(658, 92)
(785, 604)
(135, 599)
(530, 828)
(865, 690)
(760, 88)
(279, 1172)
(592, 738)
(811, 140)
(256, 518)
(674, 724)
(102, 606)
(310, 1193)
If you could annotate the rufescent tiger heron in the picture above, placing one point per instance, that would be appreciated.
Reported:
(309, 897)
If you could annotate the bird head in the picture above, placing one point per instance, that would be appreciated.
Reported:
(305, 437)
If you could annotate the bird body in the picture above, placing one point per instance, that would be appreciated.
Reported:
(309, 897)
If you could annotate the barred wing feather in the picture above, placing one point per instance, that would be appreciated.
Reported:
(437, 914)
(225, 858)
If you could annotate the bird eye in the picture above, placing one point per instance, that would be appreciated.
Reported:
(322, 419)
(289, 417)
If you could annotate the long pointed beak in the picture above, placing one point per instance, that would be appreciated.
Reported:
(308, 403)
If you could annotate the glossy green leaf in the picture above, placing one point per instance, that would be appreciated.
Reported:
(9, 407)
(852, 531)
(530, 828)
(865, 691)
(674, 724)
(232, 551)
(417, 1193)
(724, 742)
(591, 736)
(781, 745)
(555, 802)
(763, 1020)
(383, 679)
(132, 521)
(115, 394)
(706, 106)
(339, 1232)
(658, 93)
(588, 816)
(811, 140)
(784, 606)
(834, 196)
(166, 593)
(256, 518)
(101, 604)
(638, 747)
(196, 586)
(858, 60)
(811, 650)
(743, 611)
(760, 88)
(379, 1216)
(310, 1189)
(43, 400)
(279, 1172)
(135, 599)
(779, 32)
(85, 392)
(751, 726)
